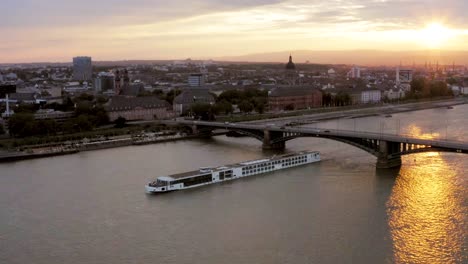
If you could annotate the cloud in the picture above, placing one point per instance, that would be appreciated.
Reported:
(111, 28)
(33, 13)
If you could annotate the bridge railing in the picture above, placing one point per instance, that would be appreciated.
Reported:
(335, 132)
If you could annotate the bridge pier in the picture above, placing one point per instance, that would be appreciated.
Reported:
(201, 131)
(388, 156)
(268, 136)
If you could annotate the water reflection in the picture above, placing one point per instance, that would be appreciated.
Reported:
(416, 131)
(425, 210)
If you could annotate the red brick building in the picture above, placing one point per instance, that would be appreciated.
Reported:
(138, 108)
(294, 98)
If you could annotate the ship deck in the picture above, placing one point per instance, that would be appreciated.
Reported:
(236, 165)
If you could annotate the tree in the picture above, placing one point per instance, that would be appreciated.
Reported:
(26, 108)
(231, 96)
(22, 124)
(172, 94)
(101, 100)
(46, 127)
(259, 104)
(327, 99)
(85, 97)
(83, 123)
(101, 116)
(439, 88)
(223, 107)
(120, 122)
(418, 85)
(245, 106)
(202, 111)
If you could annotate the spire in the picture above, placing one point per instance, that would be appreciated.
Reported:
(290, 65)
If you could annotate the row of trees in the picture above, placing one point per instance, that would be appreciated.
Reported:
(89, 113)
(422, 87)
(340, 99)
(247, 101)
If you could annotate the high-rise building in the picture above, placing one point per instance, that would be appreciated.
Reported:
(196, 80)
(354, 73)
(105, 82)
(82, 69)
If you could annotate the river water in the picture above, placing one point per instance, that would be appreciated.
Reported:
(91, 207)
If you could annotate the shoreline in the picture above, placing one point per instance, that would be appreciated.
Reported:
(318, 117)
(19, 156)
(368, 111)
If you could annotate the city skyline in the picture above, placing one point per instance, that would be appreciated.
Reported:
(207, 29)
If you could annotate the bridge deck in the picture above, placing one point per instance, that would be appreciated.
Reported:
(319, 132)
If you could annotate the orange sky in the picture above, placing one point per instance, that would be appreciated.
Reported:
(155, 29)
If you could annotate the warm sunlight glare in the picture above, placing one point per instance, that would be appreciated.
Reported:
(435, 35)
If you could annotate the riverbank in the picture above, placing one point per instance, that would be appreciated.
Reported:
(58, 150)
(383, 110)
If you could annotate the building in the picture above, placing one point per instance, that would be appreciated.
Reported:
(294, 98)
(290, 75)
(366, 97)
(403, 76)
(331, 73)
(184, 101)
(76, 87)
(133, 89)
(117, 82)
(82, 69)
(464, 90)
(354, 73)
(396, 94)
(104, 82)
(138, 108)
(196, 80)
(58, 116)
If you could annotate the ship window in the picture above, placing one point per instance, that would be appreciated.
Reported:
(197, 180)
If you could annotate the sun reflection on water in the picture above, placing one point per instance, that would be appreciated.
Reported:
(426, 212)
(417, 132)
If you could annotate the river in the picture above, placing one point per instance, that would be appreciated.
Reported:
(91, 207)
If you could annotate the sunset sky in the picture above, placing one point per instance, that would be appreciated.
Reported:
(57, 30)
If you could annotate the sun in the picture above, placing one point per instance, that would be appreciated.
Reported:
(435, 35)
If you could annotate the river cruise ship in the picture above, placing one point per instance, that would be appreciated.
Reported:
(205, 176)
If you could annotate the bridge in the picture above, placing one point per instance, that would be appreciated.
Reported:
(387, 148)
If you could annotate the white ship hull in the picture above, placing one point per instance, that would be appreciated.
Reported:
(230, 172)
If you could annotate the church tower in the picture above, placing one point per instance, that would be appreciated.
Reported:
(290, 74)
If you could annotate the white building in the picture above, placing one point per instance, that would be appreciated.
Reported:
(354, 73)
(464, 90)
(394, 94)
(76, 87)
(371, 96)
(196, 80)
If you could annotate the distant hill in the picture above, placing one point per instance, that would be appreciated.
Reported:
(360, 57)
